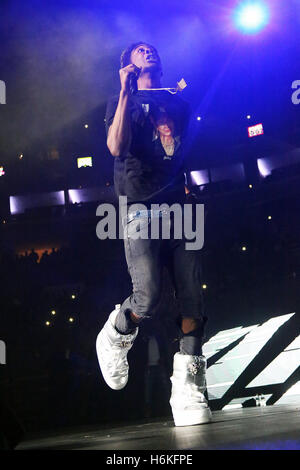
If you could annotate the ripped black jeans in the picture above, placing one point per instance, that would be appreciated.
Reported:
(145, 259)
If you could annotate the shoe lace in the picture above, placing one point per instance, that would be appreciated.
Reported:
(196, 366)
(123, 344)
(118, 364)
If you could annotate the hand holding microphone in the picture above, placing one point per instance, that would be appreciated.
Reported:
(128, 78)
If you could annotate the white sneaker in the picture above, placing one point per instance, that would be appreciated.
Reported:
(188, 403)
(112, 349)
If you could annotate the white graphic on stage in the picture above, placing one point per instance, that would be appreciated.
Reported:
(225, 371)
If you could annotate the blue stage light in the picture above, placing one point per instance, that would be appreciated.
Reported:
(251, 17)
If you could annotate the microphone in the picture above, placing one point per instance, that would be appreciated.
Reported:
(133, 83)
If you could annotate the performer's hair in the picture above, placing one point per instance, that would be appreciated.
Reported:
(125, 56)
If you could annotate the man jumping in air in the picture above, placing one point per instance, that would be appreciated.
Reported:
(146, 128)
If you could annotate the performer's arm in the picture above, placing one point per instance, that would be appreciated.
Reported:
(119, 133)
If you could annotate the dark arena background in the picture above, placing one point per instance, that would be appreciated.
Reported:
(59, 65)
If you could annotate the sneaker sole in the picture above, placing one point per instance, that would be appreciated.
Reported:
(106, 377)
(191, 417)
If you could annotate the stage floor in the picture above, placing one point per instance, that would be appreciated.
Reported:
(271, 427)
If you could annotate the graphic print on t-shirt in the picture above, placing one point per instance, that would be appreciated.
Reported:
(153, 167)
(164, 130)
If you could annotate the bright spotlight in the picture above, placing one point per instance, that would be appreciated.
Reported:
(251, 17)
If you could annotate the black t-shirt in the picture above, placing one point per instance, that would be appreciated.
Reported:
(153, 169)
